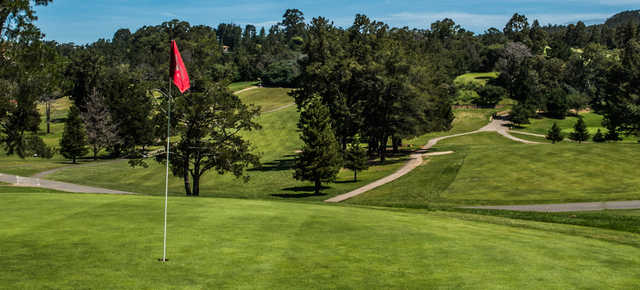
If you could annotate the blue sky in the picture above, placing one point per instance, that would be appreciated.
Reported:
(83, 21)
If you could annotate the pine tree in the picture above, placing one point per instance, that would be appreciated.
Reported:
(356, 157)
(555, 135)
(74, 139)
(612, 133)
(599, 137)
(580, 133)
(320, 158)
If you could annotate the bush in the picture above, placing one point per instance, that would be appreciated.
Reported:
(599, 137)
(519, 115)
(557, 103)
(36, 147)
(489, 96)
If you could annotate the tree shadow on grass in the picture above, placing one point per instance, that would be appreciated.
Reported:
(286, 163)
(301, 192)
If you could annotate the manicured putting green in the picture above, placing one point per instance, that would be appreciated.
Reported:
(90, 241)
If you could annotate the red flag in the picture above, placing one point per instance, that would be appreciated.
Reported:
(178, 70)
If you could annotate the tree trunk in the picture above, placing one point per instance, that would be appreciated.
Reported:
(317, 187)
(187, 184)
(48, 106)
(196, 185)
(95, 153)
(74, 159)
(383, 148)
(397, 142)
(355, 175)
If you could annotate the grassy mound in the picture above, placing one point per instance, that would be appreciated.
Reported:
(91, 241)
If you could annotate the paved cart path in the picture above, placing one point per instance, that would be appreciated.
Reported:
(56, 185)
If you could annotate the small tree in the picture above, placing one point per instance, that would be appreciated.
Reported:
(490, 96)
(320, 159)
(555, 135)
(519, 115)
(599, 137)
(102, 132)
(356, 157)
(74, 139)
(580, 133)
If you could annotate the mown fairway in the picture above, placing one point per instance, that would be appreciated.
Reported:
(489, 169)
(94, 241)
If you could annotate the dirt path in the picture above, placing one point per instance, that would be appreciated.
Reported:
(567, 207)
(56, 185)
(496, 125)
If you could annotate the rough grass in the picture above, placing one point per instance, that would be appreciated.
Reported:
(489, 169)
(92, 241)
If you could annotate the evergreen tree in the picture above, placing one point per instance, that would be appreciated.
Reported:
(320, 158)
(356, 157)
(74, 140)
(599, 137)
(580, 133)
(555, 135)
(519, 115)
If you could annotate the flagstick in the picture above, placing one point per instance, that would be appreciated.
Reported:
(166, 186)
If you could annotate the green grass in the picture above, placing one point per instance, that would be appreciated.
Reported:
(59, 109)
(28, 166)
(234, 87)
(489, 169)
(93, 241)
(478, 78)
(267, 98)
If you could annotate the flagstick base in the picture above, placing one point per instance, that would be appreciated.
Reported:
(163, 260)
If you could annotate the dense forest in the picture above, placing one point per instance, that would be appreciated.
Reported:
(380, 84)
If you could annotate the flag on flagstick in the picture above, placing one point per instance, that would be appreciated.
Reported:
(178, 70)
(180, 78)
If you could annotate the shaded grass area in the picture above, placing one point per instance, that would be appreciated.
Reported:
(267, 98)
(30, 165)
(488, 169)
(87, 241)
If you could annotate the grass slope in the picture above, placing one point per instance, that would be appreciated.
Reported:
(489, 169)
(91, 241)
(478, 78)
(267, 98)
(234, 87)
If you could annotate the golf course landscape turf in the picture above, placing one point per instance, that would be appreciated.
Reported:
(99, 241)
(406, 234)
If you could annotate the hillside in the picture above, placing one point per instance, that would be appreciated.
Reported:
(623, 18)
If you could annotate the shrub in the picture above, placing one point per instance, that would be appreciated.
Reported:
(599, 137)
(489, 96)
